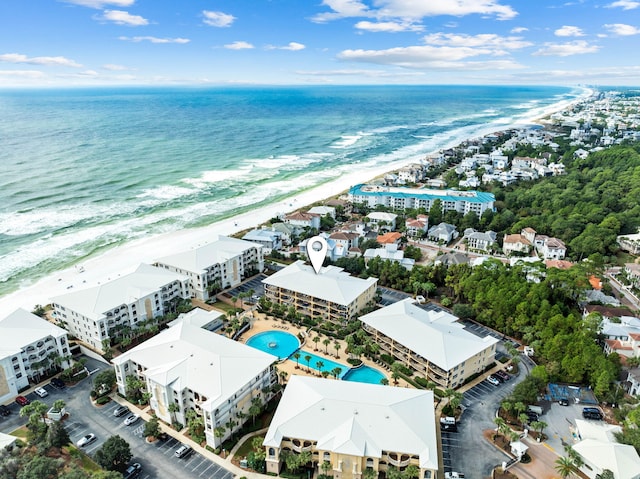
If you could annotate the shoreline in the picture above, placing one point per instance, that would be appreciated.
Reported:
(124, 259)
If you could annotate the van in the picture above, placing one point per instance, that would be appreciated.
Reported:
(536, 409)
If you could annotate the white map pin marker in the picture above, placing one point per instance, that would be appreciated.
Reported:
(316, 251)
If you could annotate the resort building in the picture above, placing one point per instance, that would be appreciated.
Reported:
(400, 198)
(599, 450)
(430, 342)
(350, 427)
(185, 365)
(93, 314)
(629, 243)
(331, 294)
(29, 347)
(220, 264)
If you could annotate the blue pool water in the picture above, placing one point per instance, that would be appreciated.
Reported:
(278, 343)
(284, 345)
(364, 374)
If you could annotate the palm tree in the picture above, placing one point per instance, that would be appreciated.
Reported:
(337, 347)
(502, 425)
(319, 366)
(336, 372)
(297, 357)
(307, 358)
(576, 459)
(326, 342)
(605, 474)
(316, 340)
(173, 409)
(565, 467)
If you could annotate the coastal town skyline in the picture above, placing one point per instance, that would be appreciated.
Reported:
(137, 42)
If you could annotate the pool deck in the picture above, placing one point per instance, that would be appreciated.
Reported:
(261, 323)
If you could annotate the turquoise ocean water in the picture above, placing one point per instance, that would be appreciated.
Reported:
(83, 170)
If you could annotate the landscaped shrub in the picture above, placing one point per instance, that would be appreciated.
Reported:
(354, 361)
(387, 358)
(103, 400)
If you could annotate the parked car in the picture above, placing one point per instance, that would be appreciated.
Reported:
(42, 392)
(493, 381)
(132, 471)
(563, 402)
(57, 383)
(183, 450)
(120, 411)
(86, 440)
(4, 410)
(453, 475)
(592, 413)
(130, 419)
(502, 375)
(22, 401)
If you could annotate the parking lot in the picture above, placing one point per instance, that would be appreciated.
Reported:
(157, 459)
(254, 284)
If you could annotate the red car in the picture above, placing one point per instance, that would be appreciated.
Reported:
(22, 401)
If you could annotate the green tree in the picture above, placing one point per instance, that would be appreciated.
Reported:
(106, 377)
(57, 435)
(396, 370)
(39, 467)
(565, 467)
(195, 424)
(316, 340)
(134, 388)
(307, 358)
(106, 475)
(173, 409)
(296, 355)
(152, 427)
(326, 342)
(114, 455)
(605, 474)
(435, 213)
(255, 409)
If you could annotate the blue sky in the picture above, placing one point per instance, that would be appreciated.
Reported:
(225, 42)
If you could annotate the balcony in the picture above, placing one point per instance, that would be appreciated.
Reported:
(402, 461)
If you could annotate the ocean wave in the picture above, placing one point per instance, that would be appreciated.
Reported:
(161, 194)
(346, 141)
(216, 176)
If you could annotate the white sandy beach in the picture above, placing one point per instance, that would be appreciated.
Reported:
(124, 259)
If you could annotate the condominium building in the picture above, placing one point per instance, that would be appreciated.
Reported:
(93, 314)
(430, 342)
(29, 347)
(220, 264)
(350, 427)
(192, 368)
(331, 294)
(400, 198)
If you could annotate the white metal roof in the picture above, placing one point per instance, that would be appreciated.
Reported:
(186, 356)
(621, 459)
(21, 328)
(356, 418)
(95, 301)
(219, 251)
(331, 284)
(434, 335)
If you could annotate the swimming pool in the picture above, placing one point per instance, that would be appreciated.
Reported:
(285, 345)
(364, 374)
(278, 343)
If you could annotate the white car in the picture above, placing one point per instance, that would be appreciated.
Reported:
(86, 440)
(130, 419)
(42, 392)
(493, 381)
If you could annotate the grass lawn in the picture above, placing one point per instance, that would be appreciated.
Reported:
(244, 449)
(21, 432)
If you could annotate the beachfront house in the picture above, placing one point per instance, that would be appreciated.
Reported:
(29, 347)
(323, 211)
(196, 369)
(350, 428)
(430, 342)
(332, 294)
(267, 237)
(400, 198)
(301, 221)
(95, 314)
(223, 263)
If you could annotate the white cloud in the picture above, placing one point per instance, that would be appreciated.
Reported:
(113, 67)
(577, 47)
(412, 9)
(292, 46)
(48, 61)
(622, 29)
(217, 19)
(569, 31)
(391, 27)
(482, 40)
(21, 73)
(239, 46)
(154, 39)
(519, 30)
(100, 4)
(121, 17)
(624, 4)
